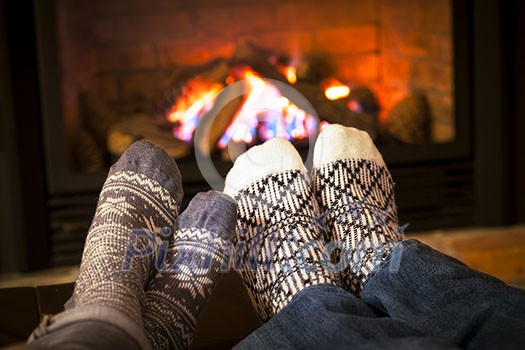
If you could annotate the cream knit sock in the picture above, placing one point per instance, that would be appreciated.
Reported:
(356, 193)
(278, 243)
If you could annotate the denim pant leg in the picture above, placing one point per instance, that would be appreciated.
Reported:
(441, 297)
(86, 328)
(328, 317)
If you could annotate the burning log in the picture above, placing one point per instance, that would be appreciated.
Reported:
(127, 131)
(315, 68)
(215, 71)
(410, 121)
(363, 100)
(336, 112)
(263, 109)
(215, 123)
(97, 116)
(250, 55)
(191, 100)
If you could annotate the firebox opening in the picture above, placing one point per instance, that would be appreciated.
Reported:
(140, 69)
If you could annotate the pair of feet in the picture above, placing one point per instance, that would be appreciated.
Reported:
(296, 229)
(288, 232)
(143, 261)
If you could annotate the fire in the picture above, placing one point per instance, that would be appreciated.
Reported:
(266, 114)
(335, 90)
(197, 98)
(290, 72)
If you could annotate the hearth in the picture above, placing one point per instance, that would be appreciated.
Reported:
(115, 71)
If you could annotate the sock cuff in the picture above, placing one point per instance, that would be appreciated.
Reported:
(337, 142)
(211, 211)
(274, 156)
(145, 158)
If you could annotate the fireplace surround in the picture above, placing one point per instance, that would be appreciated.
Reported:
(458, 179)
(111, 70)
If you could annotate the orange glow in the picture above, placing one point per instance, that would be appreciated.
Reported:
(197, 98)
(230, 79)
(290, 73)
(335, 90)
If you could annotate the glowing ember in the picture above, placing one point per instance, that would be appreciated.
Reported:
(230, 79)
(198, 97)
(290, 73)
(355, 106)
(323, 125)
(266, 114)
(335, 90)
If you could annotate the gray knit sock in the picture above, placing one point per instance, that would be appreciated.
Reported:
(356, 193)
(143, 191)
(278, 242)
(200, 245)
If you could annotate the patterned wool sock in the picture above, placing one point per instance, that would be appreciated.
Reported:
(278, 242)
(143, 191)
(356, 193)
(200, 246)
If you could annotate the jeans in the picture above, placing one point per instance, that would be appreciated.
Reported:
(417, 298)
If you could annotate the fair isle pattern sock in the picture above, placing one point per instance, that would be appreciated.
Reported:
(356, 193)
(278, 243)
(143, 191)
(200, 246)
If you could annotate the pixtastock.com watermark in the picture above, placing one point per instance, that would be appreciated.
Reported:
(264, 247)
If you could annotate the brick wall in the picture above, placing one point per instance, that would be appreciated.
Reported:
(120, 55)
(416, 55)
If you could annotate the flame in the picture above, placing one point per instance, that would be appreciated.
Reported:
(290, 72)
(197, 98)
(266, 114)
(335, 90)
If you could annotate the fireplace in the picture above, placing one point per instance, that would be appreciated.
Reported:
(103, 63)
(118, 59)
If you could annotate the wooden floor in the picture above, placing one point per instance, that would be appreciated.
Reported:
(496, 251)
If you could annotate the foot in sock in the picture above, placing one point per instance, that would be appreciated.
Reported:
(356, 193)
(278, 243)
(143, 191)
(199, 248)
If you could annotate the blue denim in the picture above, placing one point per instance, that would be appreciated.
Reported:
(417, 299)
